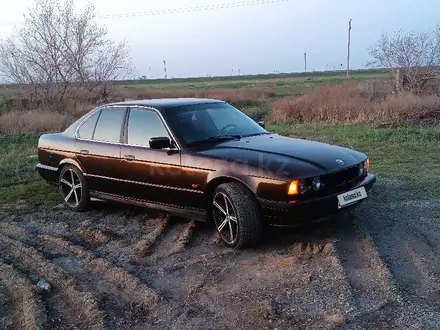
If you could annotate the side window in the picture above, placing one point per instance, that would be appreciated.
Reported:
(143, 125)
(109, 125)
(86, 129)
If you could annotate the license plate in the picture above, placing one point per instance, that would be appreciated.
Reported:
(351, 197)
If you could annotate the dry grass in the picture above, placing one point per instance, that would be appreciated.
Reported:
(41, 119)
(56, 117)
(352, 102)
(242, 96)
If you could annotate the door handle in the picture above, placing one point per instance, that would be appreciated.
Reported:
(84, 152)
(129, 157)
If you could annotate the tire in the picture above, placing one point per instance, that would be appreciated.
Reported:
(73, 188)
(242, 227)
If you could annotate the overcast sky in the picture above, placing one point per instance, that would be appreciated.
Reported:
(255, 39)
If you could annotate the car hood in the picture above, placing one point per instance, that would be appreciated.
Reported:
(276, 154)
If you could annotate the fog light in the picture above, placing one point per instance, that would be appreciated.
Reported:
(316, 183)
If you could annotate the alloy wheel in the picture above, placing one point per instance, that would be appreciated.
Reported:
(71, 188)
(225, 218)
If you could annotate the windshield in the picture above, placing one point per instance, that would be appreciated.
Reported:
(211, 122)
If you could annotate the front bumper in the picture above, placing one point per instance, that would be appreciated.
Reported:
(282, 213)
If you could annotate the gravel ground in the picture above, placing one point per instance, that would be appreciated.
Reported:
(120, 268)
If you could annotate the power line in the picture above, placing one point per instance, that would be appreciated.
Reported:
(247, 3)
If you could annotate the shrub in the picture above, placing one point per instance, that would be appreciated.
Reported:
(237, 96)
(352, 102)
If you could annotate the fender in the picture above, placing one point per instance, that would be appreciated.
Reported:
(72, 162)
(227, 175)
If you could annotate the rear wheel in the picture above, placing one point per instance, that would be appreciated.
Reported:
(236, 215)
(73, 188)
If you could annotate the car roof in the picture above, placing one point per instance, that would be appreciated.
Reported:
(165, 103)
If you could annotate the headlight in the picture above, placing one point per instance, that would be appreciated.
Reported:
(316, 183)
(367, 165)
(303, 187)
(297, 187)
(361, 168)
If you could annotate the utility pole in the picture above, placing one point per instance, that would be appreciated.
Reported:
(305, 62)
(165, 68)
(348, 50)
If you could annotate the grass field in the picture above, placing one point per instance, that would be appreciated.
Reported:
(289, 85)
(285, 84)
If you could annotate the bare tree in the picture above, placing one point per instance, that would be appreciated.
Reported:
(59, 50)
(413, 58)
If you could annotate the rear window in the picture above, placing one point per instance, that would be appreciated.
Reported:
(85, 131)
(108, 128)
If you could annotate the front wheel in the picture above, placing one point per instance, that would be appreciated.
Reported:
(73, 188)
(236, 215)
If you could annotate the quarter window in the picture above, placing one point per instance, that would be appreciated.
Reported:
(86, 129)
(109, 125)
(143, 125)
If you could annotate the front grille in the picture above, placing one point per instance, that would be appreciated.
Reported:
(341, 180)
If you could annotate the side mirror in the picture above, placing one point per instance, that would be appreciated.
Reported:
(160, 143)
(261, 123)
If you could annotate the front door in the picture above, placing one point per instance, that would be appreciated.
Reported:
(150, 174)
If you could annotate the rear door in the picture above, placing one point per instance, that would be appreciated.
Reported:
(98, 148)
(151, 174)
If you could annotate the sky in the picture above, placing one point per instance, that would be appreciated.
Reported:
(258, 38)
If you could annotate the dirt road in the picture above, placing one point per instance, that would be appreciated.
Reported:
(120, 268)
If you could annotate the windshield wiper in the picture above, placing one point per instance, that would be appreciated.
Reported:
(255, 134)
(219, 138)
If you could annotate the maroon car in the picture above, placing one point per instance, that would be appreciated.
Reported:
(202, 159)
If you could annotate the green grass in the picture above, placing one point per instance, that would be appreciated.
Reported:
(366, 74)
(32, 193)
(289, 85)
(19, 180)
(16, 165)
(410, 154)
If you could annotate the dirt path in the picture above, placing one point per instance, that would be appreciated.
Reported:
(119, 268)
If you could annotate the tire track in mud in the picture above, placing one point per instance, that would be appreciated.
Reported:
(121, 280)
(173, 240)
(29, 313)
(369, 279)
(6, 310)
(143, 247)
(170, 236)
(81, 310)
(122, 311)
(413, 259)
(407, 238)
